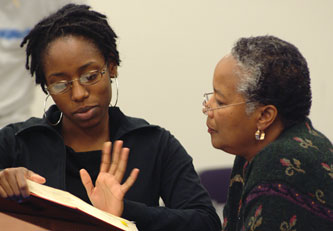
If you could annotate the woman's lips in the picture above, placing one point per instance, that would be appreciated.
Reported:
(210, 130)
(85, 113)
(83, 109)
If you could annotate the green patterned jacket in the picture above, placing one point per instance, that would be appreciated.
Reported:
(288, 186)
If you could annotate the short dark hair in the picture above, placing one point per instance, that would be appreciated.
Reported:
(273, 71)
(72, 19)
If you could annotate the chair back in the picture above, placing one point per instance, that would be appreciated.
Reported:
(216, 181)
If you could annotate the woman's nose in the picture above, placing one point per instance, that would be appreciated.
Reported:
(79, 92)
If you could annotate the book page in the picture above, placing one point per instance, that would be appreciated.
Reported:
(69, 200)
(52, 194)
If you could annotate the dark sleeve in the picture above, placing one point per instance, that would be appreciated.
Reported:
(7, 147)
(187, 204)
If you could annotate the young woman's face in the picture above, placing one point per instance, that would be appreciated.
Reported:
(68, 58)
(231, 129)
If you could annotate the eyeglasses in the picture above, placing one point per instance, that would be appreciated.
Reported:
(208, 97)
(87, 79)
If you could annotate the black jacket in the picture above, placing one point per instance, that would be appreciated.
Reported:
(166, 170)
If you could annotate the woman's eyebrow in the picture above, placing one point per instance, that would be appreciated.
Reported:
(57, 74)
(81, 68)
(218, 92)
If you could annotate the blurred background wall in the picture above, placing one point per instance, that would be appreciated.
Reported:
(169, 50)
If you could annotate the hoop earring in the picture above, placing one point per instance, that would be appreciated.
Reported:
(44, 115)
(117, 88)
(259, 135)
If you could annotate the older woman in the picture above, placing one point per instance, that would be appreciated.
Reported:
(74, 58)
(282, 177)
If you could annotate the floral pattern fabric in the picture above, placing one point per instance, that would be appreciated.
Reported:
(287, 186)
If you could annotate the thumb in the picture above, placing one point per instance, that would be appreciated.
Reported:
(35, 177)
(86, 181)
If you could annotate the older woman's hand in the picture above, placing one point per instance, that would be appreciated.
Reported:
(108, 192)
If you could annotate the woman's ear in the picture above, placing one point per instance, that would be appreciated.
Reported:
(266, 116)
(113, 70)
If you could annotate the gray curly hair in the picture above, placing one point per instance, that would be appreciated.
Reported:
(273, 71)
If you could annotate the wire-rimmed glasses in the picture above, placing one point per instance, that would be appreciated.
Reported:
(85, 79)
(207, 98)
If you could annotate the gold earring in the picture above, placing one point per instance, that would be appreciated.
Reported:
(259, 135)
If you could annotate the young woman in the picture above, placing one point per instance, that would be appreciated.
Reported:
(74, 58)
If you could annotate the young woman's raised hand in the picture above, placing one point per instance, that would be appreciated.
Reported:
(108, 192)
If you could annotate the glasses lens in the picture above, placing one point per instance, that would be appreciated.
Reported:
(90, 78)
(206, 108)
(207, 97)
(59, 87)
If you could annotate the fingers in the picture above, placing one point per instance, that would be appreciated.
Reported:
(6, 182)
(3, 193)
(22, 184)
(86, 181)
(130, 180)
(117, 167)
(35, 177)
(13, 182)
(117, 149)
(119, 159)
(9, 182)
(119, 174)
(106, 157)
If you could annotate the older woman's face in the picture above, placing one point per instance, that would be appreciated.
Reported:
(231, 129)
(68, 58)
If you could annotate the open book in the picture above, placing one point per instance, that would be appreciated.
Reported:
(54, 203)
